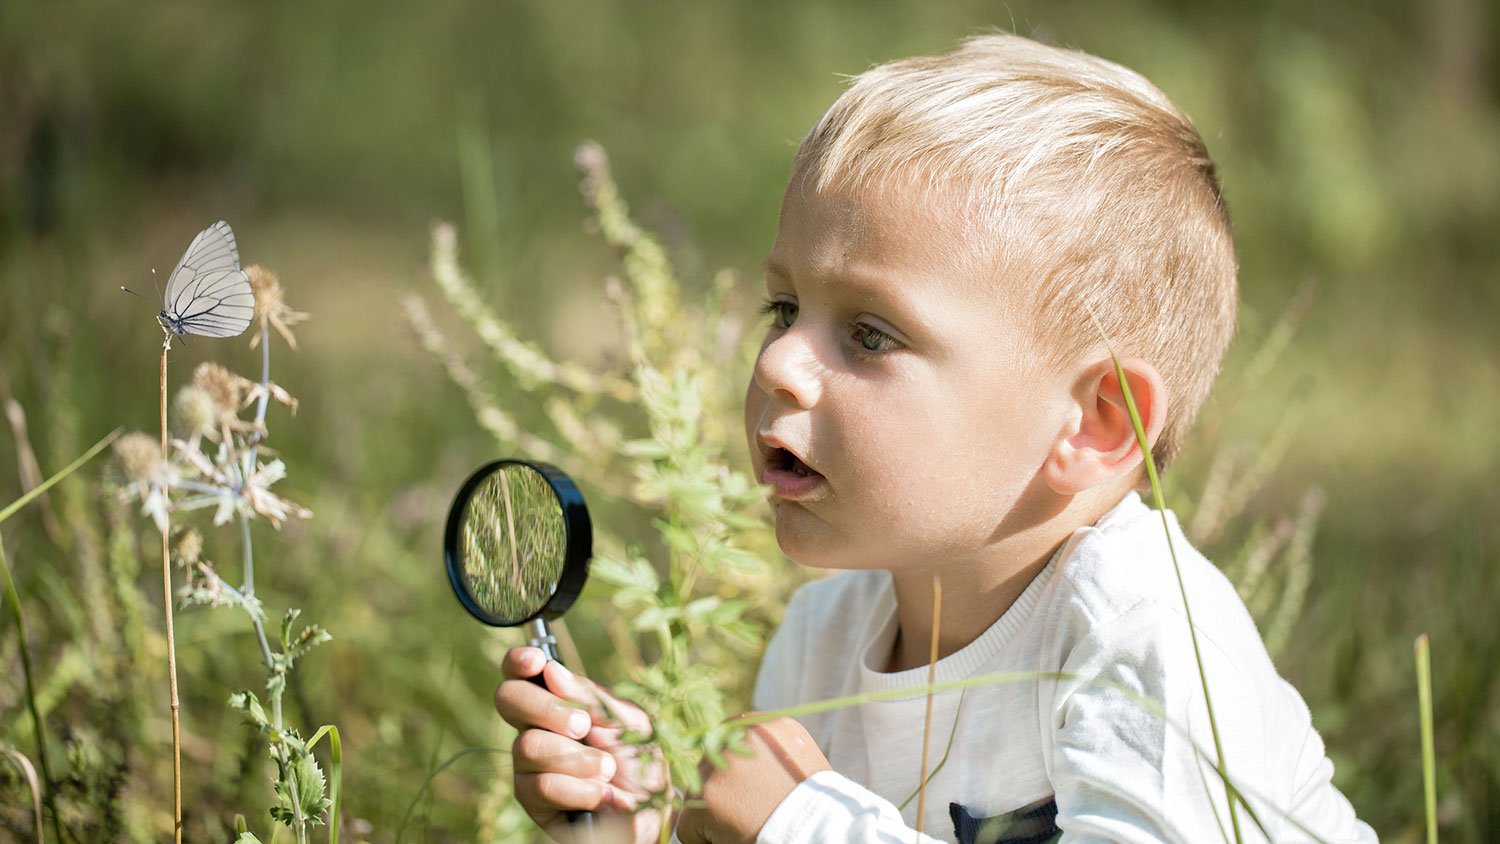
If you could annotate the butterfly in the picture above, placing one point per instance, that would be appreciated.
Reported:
(208, 293)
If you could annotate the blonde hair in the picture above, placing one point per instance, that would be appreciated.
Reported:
(1092, 192)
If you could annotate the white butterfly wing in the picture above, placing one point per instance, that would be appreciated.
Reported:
(208, 293)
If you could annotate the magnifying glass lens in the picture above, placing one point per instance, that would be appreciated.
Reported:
(513, 544)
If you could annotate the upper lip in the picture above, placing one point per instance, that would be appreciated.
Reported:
(770, 444)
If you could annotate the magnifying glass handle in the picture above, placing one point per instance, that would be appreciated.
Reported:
(542, 638)
(580, 824)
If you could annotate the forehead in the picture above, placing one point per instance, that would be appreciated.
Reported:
(892, 243)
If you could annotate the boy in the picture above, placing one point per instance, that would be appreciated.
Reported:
(946, 409)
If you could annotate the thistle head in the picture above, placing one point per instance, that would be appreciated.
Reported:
(271, 306)
(225, 390)
(195, 412)
(139, 455)
(267, 289)
(188, 547)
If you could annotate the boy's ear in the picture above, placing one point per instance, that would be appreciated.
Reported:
(1103, 446)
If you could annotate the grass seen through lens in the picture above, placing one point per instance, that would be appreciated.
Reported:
(514, 542)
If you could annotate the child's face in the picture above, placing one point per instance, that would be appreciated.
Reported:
(896, 367)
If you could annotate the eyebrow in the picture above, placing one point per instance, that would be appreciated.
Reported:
(867, 292)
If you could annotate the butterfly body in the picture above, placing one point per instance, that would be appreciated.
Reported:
(207, 293)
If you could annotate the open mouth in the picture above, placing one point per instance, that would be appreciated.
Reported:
(788, 462)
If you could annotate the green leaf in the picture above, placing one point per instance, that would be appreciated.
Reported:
(247, 704)
(286, 627)
(634, 573)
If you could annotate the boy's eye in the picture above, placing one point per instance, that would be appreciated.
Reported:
(780, 310)
(873, 339)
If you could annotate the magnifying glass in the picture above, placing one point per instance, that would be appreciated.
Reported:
(517, 549)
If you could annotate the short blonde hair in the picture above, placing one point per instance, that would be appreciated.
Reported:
(1084, 181)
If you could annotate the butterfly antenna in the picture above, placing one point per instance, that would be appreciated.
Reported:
(154, 284)
(132, 292)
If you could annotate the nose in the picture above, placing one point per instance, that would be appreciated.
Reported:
(788, 365)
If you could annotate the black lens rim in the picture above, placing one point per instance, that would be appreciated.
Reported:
(579, 533)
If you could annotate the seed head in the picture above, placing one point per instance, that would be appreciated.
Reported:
(195, 411)
(224, 389)
(271, 306)
(139, 455)
(267, 289)
(189, 547)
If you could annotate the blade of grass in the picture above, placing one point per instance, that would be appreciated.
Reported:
(1429, 755)
(1161, 507)
(947, 751)
(447, 763)
(10, 509)
(20, 761)
(335, 775)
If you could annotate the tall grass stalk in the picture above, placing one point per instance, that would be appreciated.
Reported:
(1429, 755)
(1220, 763)
(937, 624)
(166, 605)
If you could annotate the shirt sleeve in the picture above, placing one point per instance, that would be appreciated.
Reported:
(1133, 755)
(829, 807)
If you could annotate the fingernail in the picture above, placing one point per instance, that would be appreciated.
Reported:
(607, 767)
(579, 723)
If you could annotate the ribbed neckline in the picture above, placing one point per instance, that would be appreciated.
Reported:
(881, 633)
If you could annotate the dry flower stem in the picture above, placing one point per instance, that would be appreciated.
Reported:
(937, 620)
(166, 587)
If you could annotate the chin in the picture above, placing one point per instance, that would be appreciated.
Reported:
(808, 541)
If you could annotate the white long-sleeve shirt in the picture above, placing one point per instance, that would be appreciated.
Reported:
(1106, 612)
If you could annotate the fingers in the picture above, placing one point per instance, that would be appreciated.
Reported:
(554, 791)
(522, 663)
(525, 705)
(537, 751)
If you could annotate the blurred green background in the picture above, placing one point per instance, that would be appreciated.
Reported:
(1359, 146)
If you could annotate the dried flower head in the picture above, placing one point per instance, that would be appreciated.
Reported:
(270, 305)
(139, 455)
(195, 412)
(225, 389)
(188, 548)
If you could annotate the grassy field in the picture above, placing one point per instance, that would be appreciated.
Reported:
(1360, 151)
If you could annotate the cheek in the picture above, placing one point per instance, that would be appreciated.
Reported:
(754, 405)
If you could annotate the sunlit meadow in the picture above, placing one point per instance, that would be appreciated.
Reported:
(1341, 474)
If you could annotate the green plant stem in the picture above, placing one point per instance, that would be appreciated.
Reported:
(36, 715)
(248, 595)
(1429, 755)
(166, 586)
(265, 389)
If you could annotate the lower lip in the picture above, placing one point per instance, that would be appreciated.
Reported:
(790, 485)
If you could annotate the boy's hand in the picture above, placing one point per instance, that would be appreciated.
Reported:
(741, 797)
(568, 755)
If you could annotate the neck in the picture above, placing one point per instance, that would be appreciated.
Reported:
(978, 590)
